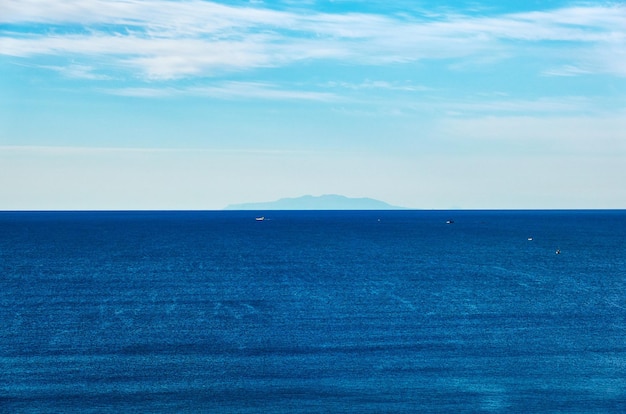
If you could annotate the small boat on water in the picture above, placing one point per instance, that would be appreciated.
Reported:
(558, 251)
(260, 218)
(450, 222)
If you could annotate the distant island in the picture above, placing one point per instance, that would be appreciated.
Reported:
(323, 202)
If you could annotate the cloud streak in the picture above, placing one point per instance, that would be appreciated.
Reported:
(156, 40)
(229, 90)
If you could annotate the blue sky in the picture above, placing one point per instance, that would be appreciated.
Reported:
(158, 104)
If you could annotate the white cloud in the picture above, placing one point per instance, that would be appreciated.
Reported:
(541, 106)
(76, 71)
(229, 90)
(159, 39)
(260, 91)
(567, 70)
(379, 84)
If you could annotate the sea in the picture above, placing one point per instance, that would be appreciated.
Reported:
(401, 311)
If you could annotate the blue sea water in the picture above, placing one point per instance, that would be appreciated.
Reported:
(311, 312)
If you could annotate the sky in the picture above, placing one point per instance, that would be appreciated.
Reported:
(190, 104)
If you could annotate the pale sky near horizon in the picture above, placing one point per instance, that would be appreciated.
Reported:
(189, 104)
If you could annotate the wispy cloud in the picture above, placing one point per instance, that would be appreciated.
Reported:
(567, 70)
(76, 71)
(379, 84)
(228, 90)
(160, 39)
(463, 108)
(539, 107)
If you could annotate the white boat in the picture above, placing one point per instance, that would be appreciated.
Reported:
(260, 218)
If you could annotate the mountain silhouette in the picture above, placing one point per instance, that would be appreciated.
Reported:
(323, 202)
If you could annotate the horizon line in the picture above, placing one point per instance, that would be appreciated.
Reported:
(401, 209)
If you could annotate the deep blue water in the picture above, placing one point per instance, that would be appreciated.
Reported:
(364, 312)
